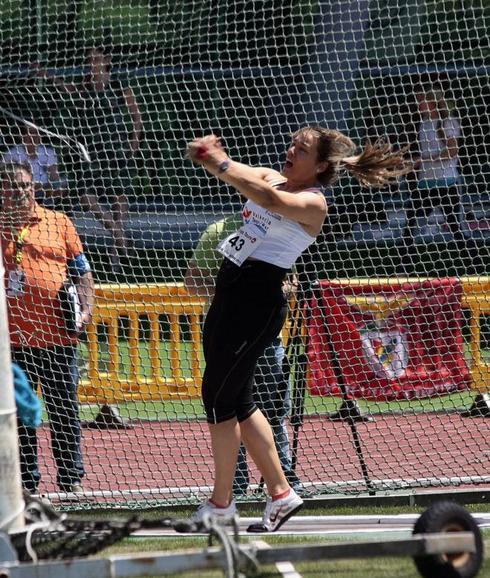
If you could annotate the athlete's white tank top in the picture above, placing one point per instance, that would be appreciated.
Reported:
(284, 240)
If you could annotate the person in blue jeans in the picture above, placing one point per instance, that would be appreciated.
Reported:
(271, 391)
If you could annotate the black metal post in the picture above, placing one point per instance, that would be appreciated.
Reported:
(297, 362)
(351, 419)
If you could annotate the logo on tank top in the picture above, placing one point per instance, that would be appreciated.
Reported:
(262, 221)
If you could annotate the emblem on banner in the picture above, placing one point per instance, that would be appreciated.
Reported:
(386, 352)
(384, 345)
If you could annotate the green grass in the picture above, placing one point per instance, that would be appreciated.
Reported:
(192, 408)
(377, 567)
(252, 509)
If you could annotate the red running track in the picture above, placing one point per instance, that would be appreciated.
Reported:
(176, 454)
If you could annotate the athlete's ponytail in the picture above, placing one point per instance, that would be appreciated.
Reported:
(376, 166)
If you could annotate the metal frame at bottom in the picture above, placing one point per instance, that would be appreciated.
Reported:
(160, 564)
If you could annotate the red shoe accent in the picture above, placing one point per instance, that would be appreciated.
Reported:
(284, 494)
(217, 505)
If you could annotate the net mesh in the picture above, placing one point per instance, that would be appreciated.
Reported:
(70, 539)
(379, 362)
(51, 535)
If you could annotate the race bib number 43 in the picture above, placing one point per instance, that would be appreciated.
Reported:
(238, 246)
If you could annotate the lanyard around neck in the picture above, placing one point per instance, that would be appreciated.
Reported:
(19, 244)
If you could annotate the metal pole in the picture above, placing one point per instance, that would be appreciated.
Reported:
(297, 361)
(351, 420)
(11, 502)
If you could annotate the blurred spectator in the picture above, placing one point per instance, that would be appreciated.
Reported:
(438, 179)
(43, 161)
(29, 410)
(271, 392)
(95, 115)
(50, 294)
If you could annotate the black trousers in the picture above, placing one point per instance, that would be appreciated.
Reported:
(55, 368)
(247, 313)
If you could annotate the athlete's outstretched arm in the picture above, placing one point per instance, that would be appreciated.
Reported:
(305, 207)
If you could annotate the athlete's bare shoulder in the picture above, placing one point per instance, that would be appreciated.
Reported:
(261, 172)
(273, 177)
(273, 174)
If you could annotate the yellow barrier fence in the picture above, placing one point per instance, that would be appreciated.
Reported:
(109, 384)
(113, 302)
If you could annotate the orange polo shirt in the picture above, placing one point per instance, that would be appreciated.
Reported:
(51, 240)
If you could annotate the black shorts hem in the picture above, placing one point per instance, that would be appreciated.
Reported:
(220, 419)
(248, 414)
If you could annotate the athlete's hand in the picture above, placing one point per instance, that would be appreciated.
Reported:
(206, 148)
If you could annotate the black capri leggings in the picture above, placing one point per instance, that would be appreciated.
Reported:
(247, 313)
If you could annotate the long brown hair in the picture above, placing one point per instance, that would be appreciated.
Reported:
(376, 166)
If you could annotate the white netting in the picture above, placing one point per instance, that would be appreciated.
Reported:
(133, 81)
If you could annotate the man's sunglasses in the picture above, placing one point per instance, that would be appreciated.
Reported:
(22, 185)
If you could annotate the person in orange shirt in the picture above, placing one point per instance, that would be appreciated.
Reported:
(45, 272)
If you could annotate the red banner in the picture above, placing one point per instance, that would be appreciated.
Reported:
(391, 341)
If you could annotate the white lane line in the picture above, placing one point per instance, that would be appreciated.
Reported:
(285, 568)
(330, 525)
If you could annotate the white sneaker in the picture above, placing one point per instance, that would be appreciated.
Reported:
(277, 512)
(223, 515)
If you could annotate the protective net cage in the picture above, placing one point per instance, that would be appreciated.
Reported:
(379, 379)
(52, 535)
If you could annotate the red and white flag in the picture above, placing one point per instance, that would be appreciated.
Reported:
(392, 341)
